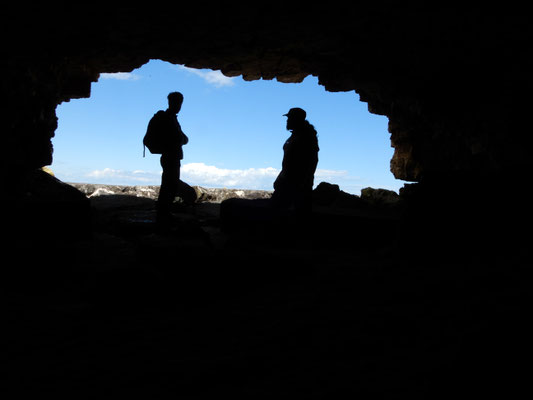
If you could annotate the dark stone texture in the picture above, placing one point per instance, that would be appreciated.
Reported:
(453, 81)
(427, 304)
(326, 307)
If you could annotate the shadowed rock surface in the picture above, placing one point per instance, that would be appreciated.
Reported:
(357, 299)
(315, 310)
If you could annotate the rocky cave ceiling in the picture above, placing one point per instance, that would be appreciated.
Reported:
(452, 81)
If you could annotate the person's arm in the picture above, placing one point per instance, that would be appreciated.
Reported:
(183, 137)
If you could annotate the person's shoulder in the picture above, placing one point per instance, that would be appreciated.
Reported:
(163, 115)
(158, 114)
(310, 128)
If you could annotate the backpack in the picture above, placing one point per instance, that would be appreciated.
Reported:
(156, 134)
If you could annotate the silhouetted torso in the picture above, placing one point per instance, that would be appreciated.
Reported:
(174, 134)
(293, 186)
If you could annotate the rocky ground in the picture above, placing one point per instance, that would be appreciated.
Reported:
(212, 195)
(326, 308)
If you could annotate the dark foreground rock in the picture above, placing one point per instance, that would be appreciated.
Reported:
(40, 205)
(324, 309)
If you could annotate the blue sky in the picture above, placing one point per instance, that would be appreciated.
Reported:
(236, 131)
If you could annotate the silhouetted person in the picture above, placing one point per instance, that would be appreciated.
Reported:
(294, 185)
(171, 156)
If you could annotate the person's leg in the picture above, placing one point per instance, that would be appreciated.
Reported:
(169, 183)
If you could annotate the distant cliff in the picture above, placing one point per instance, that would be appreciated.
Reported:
(152, 191)
(325, 194)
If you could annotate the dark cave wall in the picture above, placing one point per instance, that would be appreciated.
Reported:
(453, 82)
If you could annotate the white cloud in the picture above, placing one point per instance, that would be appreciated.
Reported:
(209, 175)
(326, 174)
(254, 178)
(215, 78)
(121, 76)
(200, 174)
(121, 177)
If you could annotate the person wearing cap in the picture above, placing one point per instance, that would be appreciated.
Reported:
(294, 185)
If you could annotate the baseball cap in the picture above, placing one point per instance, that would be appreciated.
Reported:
(296, 112)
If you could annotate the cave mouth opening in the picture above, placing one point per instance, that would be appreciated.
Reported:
(236, 130)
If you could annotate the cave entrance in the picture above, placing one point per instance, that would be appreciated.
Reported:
(236, 130)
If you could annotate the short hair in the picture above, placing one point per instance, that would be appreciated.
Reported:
(175, 95)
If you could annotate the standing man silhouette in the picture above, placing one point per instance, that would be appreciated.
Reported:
(171, 157)
(293, 187)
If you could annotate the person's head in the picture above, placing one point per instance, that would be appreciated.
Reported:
(175, 100)
(295, 118)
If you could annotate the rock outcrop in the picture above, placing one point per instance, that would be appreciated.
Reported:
(435, 307)
(452, 81)
(213, 195)
(40, 205)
